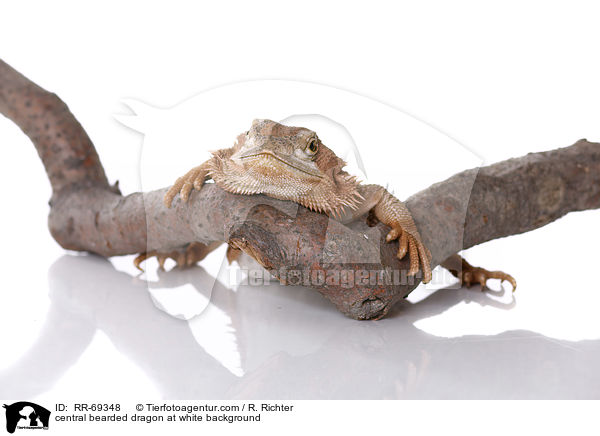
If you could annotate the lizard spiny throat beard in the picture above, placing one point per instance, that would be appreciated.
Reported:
(332, 193)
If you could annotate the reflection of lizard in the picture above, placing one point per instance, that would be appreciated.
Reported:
(291, 163)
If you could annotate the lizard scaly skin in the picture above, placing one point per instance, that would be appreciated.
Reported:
(291, 163)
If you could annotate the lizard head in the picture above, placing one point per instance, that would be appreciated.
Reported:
(289, 163)
(293, 150)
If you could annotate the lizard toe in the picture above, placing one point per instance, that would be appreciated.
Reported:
(393, 234)
(139, 259)
(414, 257)
(185, 191)
(403, 245)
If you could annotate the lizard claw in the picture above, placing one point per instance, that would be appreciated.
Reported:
(472, 274)
(183, 257)
(393, 234)
(419, 254)
(392, 212)
(396, 233)
(193, 179)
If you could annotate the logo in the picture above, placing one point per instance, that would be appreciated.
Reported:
(26, 415)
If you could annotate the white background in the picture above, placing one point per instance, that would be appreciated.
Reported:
(502, 80)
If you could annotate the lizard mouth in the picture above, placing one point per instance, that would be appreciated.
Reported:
(287, 160)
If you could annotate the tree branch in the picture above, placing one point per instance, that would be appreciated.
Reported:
(64, 147)
(350, 265)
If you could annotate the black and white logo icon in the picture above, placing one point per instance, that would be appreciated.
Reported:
(26, 415)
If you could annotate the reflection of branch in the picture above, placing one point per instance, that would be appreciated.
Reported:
(161, 345)
(469, 208)
(311, 352)
(64, 337)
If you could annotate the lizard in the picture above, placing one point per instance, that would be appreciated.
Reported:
(292, 163)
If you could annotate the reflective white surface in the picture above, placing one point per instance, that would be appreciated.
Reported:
(99, 333)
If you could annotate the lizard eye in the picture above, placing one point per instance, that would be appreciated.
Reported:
(313, 146)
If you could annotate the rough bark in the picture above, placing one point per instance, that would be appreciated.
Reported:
(352, 265)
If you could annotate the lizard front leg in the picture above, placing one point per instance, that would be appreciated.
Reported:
(392, 212)
(194, 252)
(468, 274)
